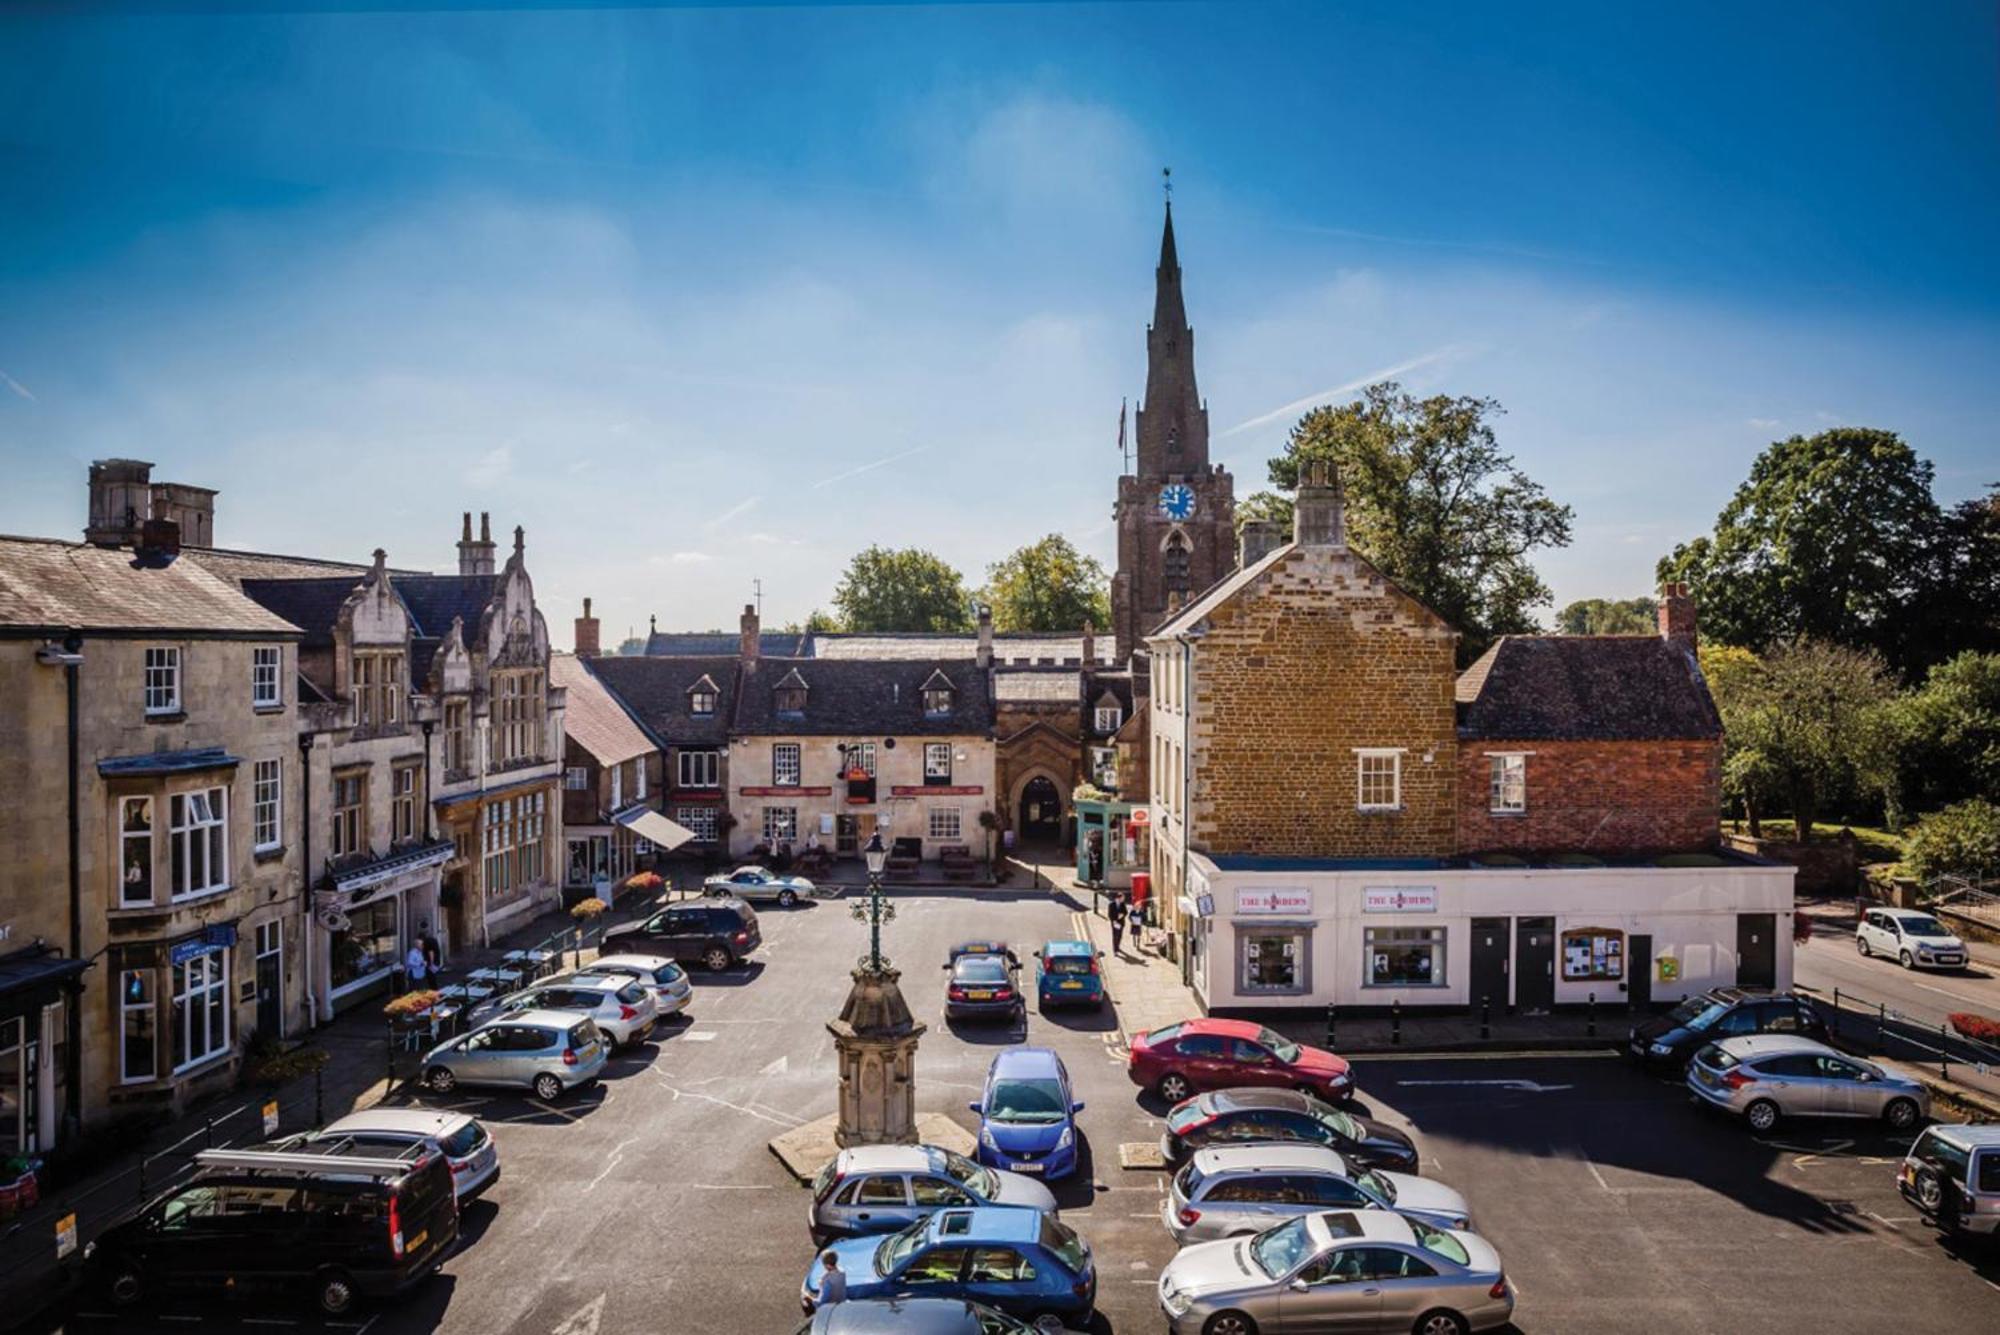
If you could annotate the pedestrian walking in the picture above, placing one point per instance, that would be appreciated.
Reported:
(416, 970)
(832, 1284)
(1116, 912)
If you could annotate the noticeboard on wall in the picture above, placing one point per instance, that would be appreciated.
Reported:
(1593, 954)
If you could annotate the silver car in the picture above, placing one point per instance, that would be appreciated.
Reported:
(1367, 1271)
(1235, 1190)
(666, 980)
(623, 1008)
(474, 1159)
(1952, 1176)
(882, 1188)
(762, 885)
(1763, 1077)
(548, 1051)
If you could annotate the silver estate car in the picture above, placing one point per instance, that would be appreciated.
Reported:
(623, 1008)
(666, 980)
(1952, 1176)
(1763, 1077)
(548, 1051)
(1233, 1191)
(1371, 1272)
(474, 1159)
(882, 1188)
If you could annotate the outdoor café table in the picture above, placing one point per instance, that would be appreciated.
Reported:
(465, 994)
(492, 978)
(533, 963)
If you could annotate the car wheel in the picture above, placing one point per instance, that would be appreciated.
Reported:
(1905, 960)
(787, 898)
(1310, 1091)
(1440, 1322)
(548, 1087)
(716, 959)
(1762, 1115)
(1050, 1323)
(440, 1080)
(1861, 944)
(1930, 1190)
(1173, 1087)
(1901, 1114)
(1229, 1323)
(125, 1287)
(334, 1292)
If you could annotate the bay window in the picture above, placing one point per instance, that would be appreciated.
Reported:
(200, 840)
(135, 852)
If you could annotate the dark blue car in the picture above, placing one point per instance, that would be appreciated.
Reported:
(983, 987)
(1027, 1117)
(1021, 1261)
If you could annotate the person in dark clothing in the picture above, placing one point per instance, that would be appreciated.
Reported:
(433, 952)
(1116, 912)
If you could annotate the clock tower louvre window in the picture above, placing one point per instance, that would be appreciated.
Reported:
(1174, 562)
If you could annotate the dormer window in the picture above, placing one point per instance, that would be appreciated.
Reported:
(938, 694)
(701, 697)
(378, 689)
(790, 694)
(1109, 717)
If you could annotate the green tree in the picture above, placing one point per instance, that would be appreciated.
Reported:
(1952, 732)
(1270, 505)
(901, 590)
(1436, 505)
(819, 621)
(1048, 586)
(1961, 840)
(1610, 616)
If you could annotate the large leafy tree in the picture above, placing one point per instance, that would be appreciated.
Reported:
(1436, 504)
(1950, 733)
(1609, 616)
(1048, 586)
(901, 590)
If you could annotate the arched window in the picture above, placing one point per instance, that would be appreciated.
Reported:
(1176, 562)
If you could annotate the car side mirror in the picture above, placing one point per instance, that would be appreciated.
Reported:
(1300, 1286)
(975, 1106)
(1076, 1107)
(945, 967)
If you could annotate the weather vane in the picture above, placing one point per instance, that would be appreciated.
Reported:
(1167, 182)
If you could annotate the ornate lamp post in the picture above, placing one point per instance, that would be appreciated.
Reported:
(875, 910)
(875, 1038)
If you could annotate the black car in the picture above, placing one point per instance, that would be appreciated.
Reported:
(1241, 1116)
(1671, 1040)
(911, 1316)
(717, 932)
(984, 987)
(336, 1223)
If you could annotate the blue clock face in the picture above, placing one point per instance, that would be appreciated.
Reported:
(1177, 501)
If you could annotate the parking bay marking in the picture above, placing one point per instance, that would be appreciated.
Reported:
(585, 1320)
(1526, 1086)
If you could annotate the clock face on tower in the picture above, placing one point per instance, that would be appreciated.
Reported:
(1177, 501)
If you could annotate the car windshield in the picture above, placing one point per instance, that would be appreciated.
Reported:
(1061, 1239)
(1696, 1013)
(1377, 1185)
(464, 1140)
(980, 969)
(1348, 1128)
(1279, 1250)
(899, 1247)
(1918, 924)
(1026, 1101)
(1440, 1243)
(1283, 1048)
(984, 1182)
(1066, 964)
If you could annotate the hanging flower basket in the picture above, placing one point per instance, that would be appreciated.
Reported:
(412, 1004)
(647, 882)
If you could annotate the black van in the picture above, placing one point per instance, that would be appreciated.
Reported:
(717, 932)
(337, 1224)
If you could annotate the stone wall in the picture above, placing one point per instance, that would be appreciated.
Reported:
(1599, 797)
(1826, 866)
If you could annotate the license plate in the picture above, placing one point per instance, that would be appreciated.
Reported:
(588, 1052)
(416, 1244)
(979, 996)
(1027, 1168)
(1070, 987)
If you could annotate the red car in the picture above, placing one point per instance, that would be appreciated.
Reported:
(1176, 1061)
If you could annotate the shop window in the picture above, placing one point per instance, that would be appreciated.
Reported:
(1593, 954)
(201, 1008)
(1508, 784)
(1405, 956)
(781, 825)
(135, 851)
(138, 1018)
(1275, 961)
(367, 948)
(944, 823)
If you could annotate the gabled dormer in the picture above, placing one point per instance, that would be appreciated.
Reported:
(1107, 714)
(702, 695)
(939, 695)
(789, 695)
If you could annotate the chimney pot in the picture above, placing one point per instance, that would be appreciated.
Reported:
(1677, 614)
(1318, 511)
(984, 655)
(587, 641)
(465, 530)
(750, 641)
(485, 527)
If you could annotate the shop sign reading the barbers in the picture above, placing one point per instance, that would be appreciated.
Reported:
(1298, 901)
(1399, 899)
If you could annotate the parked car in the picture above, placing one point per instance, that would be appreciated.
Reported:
(1724, 1012)
(468, 1149)
(719, 933)
(548, 1051)
(1238, 1116)
(1763, 1077)
(764, 885)
(1020, 1261)
(1229, 1191)
(1952, 1176)
(911, 1316)
(1066, 974)
(983, 946)
(1027, 1114)
(1914, 940)
(666, 980)
(338, 1226)
(881, 1188)
(983, 987)
(1180, 1059)
(623, 1008)
(1368, 1271)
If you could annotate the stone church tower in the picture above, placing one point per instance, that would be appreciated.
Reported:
(1176, 513)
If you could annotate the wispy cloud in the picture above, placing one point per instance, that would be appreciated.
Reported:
(18, 387)
(774, 540)
(681, 559)
(492, 467)
(1763, 423)
(741, 507)
(867, 468)
(1445, 353)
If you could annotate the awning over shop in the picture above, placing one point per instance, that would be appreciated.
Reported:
(652, 825)
(32, 978)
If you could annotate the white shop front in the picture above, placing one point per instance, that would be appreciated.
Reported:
(1262, 934)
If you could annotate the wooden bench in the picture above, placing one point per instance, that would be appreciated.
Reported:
(955, 861)
(900, 865)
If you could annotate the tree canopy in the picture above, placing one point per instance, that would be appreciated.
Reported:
(1435, 504)
(904, 589)
(1610, 616)
(1048, 586)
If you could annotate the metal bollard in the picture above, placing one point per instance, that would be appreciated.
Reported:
(1944, 1055)
(1396, 1021)
(1590, 1017)
(319, 1095)
(1332, 1013)
(1881, 1021)
(1485, 1017)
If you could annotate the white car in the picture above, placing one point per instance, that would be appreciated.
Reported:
(622, 1006)
(762, 885)
(1914, 940)
(474, 1158)
(667, 980)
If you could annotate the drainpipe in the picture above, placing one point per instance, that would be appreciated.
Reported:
(1187, 785)
(307, 947)
(429, 829)
(73, 1011)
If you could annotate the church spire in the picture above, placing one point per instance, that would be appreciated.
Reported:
(1172, 424)
(1169, 312)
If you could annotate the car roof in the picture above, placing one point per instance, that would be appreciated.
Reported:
(901, 1316)
(988, 1223)
(1770, 1045)
(578, 980)
(1227, 1028)
(1968, 1137)
(1735, 994)
(1027, 1061)
(404, 1121)
(1383, 1225)
(977, 961)
(886, 1159)
(1071, 947)
(1244, 1097)
(751, 866)
(1273, 1157)
(979, 946)
(627, 961)
(563, 1020)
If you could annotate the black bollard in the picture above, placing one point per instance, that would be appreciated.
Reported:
(1332, 1011)
(319, 1095)
(1396, 1021)
(1590, 1017)
(391, 1050)
(1486, 1017)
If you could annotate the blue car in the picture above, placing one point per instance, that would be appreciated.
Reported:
(1066, 974)
(1027, 1118)
(1020, 1261)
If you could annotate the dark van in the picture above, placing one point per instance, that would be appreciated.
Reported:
(336, 1224)
(717, 932)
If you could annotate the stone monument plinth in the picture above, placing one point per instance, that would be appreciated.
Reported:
(875, 1043)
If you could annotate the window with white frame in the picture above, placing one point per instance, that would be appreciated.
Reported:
(937, 762)
(780, 824)
(403, 804)
(861, 756)
(1104, 767)
(1109, 717)
(1379, 779)
(163, 681)
(135, 851)
(701, 698)
(200, 839)
(944, 823)
(267, 785)
(785, 764)
(576, 779)
(937, 701)
(201, 1008)
(350, 815)
(700, 769)
(699, 821)
(1507, 788)
(138, 1026)
(265, 692)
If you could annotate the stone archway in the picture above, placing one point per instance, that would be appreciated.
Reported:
(1033, 793)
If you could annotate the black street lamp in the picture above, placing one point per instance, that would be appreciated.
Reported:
(876, 910)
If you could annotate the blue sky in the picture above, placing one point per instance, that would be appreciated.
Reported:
(705, 294)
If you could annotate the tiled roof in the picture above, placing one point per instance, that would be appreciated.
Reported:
(718, 643)
(46, 585)
(310, 604)
(655, 691)
(433, 601)
(1023, 649)
(593, 719)
(239, 566)
(1031, 686)
(851, 697)
(1585, 688)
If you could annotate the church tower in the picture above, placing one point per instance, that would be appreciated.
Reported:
(1176, 514)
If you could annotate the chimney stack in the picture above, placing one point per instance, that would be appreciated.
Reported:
(984, 655)
(1317, 511)
(1677, 615)
(1089, 644)
(476, 558)
(586, 633)
(121, 500)
(751, 641)
(1257, 539)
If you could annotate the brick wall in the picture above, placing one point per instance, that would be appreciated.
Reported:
(1599, 797)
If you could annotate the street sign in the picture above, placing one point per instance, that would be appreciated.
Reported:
(65, 1235)
(271, 1118)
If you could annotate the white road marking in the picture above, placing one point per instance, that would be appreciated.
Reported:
(1594, 1173)
(1526, 1086)
(730, 1186)
(585, 1320)
(778, 1067)
(611, 1162)
(746, 1110)
(699, 1036)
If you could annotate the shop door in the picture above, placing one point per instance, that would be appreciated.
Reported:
(1535, 980)
(1489, 962)
(271, 979)
(1639, 972)
(846, 835)
(1756, 950)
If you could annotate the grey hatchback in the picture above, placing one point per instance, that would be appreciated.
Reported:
(1763, 1077)
(882, 1188)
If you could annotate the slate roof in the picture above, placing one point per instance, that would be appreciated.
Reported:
(719, 644)
(856, 696)
(1019, 648)
(48, 586)
(432, 601)
(655, 691)
(1586, 688)
(239, 566)
(594, 719)
(310, 604)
